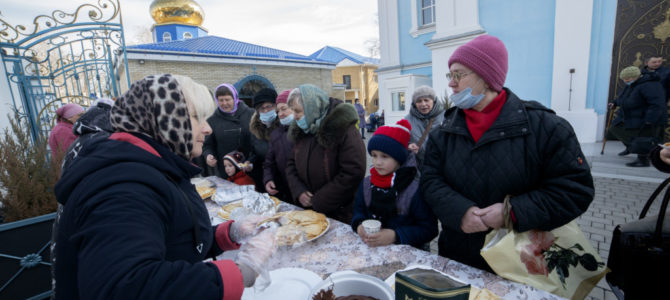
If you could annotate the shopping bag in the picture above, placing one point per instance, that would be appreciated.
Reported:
(561, 261)
(639, 251)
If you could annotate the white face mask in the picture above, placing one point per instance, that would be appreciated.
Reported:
(465, 99)
(286, 120)
(268, 117)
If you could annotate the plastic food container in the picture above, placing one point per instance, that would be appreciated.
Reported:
(346, 283)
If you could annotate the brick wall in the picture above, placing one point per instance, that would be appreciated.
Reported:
(213, 74)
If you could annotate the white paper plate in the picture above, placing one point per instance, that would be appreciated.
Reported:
(287, 284)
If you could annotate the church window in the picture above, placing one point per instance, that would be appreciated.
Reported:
(427, 12)
(398, 101)
(188, 35)
(167, 37)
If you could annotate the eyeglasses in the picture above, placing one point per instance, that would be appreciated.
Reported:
(456, 76)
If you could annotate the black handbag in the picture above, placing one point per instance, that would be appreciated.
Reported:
(639, 257)
(642, 144)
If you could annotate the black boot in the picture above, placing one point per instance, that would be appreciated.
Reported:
(641, 161)
(624, 152)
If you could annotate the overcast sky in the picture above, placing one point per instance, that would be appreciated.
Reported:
(299, 26)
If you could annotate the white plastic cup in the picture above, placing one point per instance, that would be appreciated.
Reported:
(372, 226)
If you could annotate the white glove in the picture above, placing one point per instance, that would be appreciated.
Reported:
(244, 228)
(255, 254)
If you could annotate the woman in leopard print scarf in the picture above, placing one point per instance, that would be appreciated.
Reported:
(155, 106)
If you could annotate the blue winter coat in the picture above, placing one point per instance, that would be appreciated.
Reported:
(127, 232)
(416, 227)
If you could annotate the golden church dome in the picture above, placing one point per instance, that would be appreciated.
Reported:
(177, 11)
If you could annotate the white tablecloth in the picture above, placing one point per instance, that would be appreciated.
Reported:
(341, 249)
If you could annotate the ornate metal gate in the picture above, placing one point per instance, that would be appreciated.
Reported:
(642, 29)
(63, 58)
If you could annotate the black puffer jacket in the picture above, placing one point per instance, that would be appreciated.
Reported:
(528, 152)
(642, 102)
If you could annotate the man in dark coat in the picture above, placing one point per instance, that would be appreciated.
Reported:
(328, 161)
(497, 160)
(643, 111)
(655, 65)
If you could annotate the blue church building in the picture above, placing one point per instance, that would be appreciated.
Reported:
(566, 54)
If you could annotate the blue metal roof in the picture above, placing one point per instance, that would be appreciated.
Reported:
(223, 46)
(335, 55)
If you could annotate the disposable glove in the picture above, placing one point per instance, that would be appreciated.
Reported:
(244, 228)
(255, 254)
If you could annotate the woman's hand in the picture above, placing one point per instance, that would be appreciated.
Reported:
(211, 161)
(665, 155)
(492, 215)
(306, 199)
(242, 229)
(271, 188)
(472, 221)
(413, 147)
(382, 238)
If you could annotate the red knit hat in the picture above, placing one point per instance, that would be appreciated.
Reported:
(392, 140)
(486, 55)
(283, 96)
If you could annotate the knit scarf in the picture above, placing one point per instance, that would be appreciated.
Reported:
(315, 103)
(480, 121)
(382, 181)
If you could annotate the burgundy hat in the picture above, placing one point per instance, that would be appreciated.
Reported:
(486, 55)
(283, 96)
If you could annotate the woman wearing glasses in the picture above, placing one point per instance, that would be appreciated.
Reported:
(498, 161)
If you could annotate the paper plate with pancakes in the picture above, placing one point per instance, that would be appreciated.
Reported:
(297, 227)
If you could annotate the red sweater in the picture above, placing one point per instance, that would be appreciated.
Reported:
(241, 178)
(480, 121)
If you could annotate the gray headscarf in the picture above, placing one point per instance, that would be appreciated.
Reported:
(315, 104)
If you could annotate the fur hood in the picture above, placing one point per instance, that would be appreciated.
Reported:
(258, 129)
(340, 116)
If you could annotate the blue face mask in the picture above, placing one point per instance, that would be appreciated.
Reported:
(302, 123)
(465, 99)
(286, 120)
(268, 117)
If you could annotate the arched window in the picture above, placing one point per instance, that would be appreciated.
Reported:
(187, 35)
(167, 37)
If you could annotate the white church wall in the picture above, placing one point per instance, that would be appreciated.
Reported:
(572, 41)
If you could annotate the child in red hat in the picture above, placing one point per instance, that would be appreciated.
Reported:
(391, 193)
(232, 164)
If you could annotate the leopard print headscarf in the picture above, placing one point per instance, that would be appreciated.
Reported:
(155, 106)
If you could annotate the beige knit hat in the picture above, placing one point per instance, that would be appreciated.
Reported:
(630, 72)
